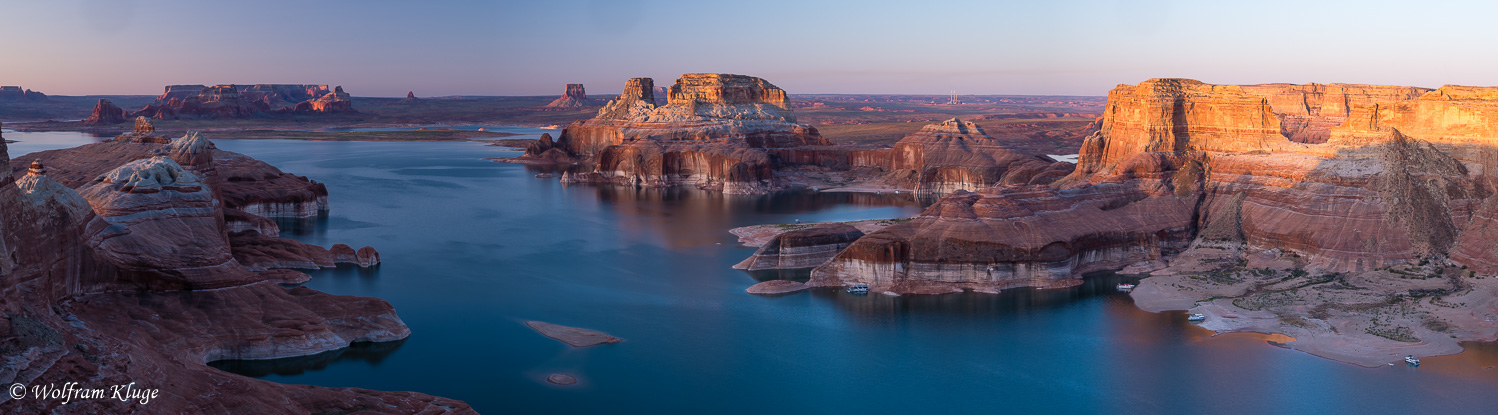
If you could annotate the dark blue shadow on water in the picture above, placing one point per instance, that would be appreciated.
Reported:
(370, 353)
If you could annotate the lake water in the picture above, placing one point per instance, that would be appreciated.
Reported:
(473, 248)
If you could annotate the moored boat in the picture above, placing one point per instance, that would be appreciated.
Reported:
(1196, 317)
(859, 289)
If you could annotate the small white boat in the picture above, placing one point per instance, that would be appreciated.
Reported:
(1412, 360)
(1126, 287)
(859, 289)
(1196, 317)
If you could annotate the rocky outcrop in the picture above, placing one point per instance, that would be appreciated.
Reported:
(105, 112)
(261, 189)
(574, 97)
(241, 101)
(410, 99)
(957, 155)
(802, 248)
(712, 133)
(126, 280)
(331, 103)
(161, 225)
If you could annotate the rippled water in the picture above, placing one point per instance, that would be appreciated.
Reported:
(474, 248)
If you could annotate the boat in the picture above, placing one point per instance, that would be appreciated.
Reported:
(859, 289)
(1125, 287)
(1412, 360)
(1197, 317)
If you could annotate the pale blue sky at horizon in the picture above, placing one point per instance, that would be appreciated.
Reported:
(438, 48)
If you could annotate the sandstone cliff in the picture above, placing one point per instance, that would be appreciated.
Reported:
(712, 133)
(1408, 175)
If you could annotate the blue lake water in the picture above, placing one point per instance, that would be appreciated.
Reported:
(474, 248)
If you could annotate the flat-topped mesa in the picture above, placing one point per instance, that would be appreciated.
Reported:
(105, 112)
(17, 93)
(724, 96)
(241, 101)
(712, 134)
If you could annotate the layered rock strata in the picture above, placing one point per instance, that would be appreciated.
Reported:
(802, 248)
(957, 155)
(712, 133)
(126, 279)
(1178, 164)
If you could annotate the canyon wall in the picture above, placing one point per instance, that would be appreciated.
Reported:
(1405, 175)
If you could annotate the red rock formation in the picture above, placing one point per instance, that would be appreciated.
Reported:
(116, 296)
(332, 102)
(956, 155)
(574, 97)
(1177, 162)
(711, 134)
(105, 112)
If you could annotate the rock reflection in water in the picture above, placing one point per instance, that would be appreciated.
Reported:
(371, 353)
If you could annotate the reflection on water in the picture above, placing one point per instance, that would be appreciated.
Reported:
(365, 352)
(473, 248)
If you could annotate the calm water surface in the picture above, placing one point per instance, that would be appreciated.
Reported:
(474, 248)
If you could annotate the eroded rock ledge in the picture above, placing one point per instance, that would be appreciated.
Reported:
(116, 266)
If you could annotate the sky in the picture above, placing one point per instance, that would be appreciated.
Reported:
(534, 47)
